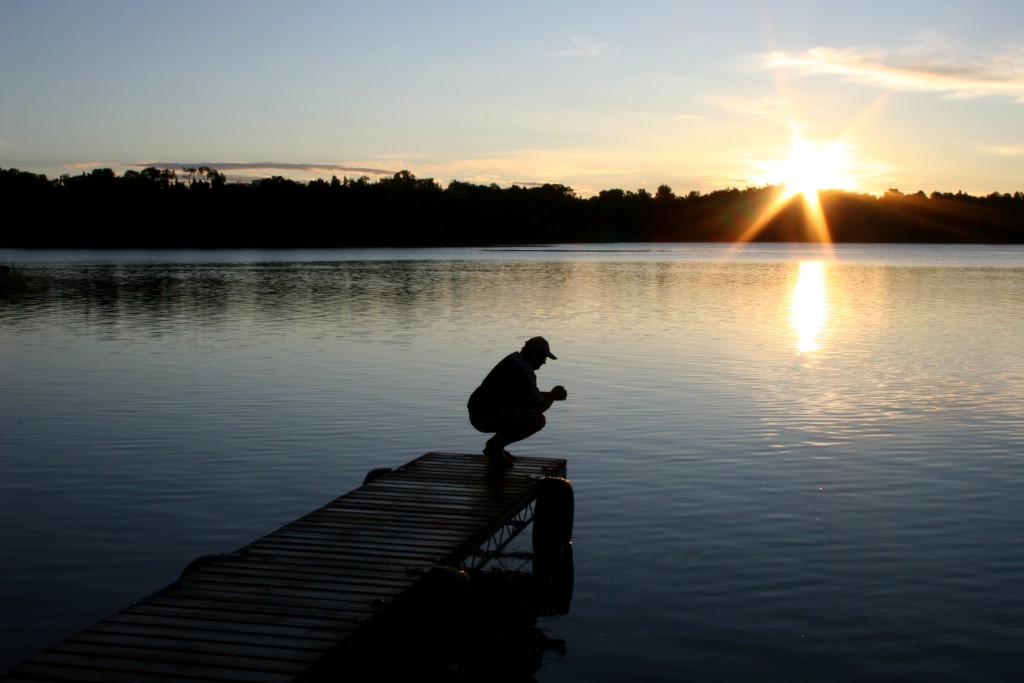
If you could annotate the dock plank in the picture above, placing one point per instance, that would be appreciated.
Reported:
(288, 602)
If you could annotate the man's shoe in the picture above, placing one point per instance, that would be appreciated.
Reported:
(501, 458)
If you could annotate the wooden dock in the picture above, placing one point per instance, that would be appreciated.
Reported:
(293, 603)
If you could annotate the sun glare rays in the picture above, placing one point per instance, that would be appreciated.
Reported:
(808, 168)
(809, 306)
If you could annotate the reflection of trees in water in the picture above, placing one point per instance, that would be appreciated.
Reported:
(400, 293)
(111, 293)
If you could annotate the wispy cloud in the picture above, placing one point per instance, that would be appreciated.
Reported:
(528, 183)
(91, 164)
(688, 117)
(578, 49)
(931, 66)
(266, 166)
(237, 166)
(767, 107)
(1004, 150)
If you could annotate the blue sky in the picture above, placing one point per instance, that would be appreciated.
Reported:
(593, 95)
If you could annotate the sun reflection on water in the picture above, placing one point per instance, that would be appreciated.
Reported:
(809, 307)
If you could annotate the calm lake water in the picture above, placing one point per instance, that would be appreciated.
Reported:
(790, 463)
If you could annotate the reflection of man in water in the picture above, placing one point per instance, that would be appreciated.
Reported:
(508, 402)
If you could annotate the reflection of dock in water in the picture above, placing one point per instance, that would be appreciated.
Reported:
(302, 600)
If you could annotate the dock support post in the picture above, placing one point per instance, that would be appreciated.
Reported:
(552, 541)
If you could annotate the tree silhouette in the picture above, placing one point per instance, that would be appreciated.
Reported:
(155, 207)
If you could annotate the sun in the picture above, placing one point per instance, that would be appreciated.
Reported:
(810, 167)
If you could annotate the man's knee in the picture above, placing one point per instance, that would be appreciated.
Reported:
(509, 421)
(534, 423)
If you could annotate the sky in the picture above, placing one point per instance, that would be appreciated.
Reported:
(593, 95)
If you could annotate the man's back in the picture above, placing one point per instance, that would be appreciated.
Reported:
(508, 384)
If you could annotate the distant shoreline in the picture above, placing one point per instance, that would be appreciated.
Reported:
(155, 208)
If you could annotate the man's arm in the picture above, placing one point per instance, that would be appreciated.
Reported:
(548, 397)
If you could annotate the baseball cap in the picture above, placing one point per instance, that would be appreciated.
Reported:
(540, 344)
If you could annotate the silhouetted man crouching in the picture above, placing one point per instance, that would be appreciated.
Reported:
(508, 402)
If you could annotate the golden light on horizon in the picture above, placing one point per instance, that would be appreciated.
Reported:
(809, 306)
(810, 167)
(807, 169)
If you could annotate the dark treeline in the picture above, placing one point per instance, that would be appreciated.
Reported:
(155, 208)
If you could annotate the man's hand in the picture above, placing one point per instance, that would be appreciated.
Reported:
(559, 393)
